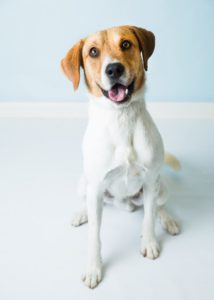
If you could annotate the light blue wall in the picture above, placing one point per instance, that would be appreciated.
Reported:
(35, 35)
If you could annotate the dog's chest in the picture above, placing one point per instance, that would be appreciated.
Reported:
(127, 172)
(128, 137)
(117, 147)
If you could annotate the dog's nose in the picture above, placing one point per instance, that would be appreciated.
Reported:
(115, 70)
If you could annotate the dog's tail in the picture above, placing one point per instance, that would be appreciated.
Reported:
(172, 161)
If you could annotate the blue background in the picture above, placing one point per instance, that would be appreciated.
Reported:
(35, 35)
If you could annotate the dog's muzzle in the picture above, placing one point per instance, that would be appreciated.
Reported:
(119, 93)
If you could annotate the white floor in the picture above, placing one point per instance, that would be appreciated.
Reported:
(43, 257)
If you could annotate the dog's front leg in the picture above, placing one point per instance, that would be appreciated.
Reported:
(94, 200)
(149, 245)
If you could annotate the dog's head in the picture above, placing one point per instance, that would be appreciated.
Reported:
(112, 62)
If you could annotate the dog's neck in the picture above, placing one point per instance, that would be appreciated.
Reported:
(118, 122)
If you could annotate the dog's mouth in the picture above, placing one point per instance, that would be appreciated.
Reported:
(119, 93)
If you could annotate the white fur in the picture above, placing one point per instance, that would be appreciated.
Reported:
(122, 152)
(104, 79)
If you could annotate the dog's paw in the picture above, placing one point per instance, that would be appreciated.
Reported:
(79, 219)
(92, 277)
(171, 226)
(150, 249)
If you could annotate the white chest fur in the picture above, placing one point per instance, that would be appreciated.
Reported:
(122, 148)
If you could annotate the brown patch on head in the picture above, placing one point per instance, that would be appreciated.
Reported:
(146, 40)
(130, 58)
(108, 43)
(93, 65)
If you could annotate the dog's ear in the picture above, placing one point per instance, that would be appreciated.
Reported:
(146, 40)
(72, 62)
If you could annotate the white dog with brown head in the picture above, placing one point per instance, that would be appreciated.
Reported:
(122, 149)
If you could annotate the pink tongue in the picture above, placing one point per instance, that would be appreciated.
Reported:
(117, 94)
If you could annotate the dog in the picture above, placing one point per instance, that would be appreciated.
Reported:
(123, 152)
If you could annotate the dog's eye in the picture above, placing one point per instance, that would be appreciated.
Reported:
(125, 45)
(94, 52)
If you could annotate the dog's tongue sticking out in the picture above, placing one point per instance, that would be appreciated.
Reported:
(118, 93)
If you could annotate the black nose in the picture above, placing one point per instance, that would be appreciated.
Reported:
(115, 70)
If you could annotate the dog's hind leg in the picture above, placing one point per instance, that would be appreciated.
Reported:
(166, 220)
(81, 217)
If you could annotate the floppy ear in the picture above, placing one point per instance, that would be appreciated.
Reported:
(72, 62)
(146, 40)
